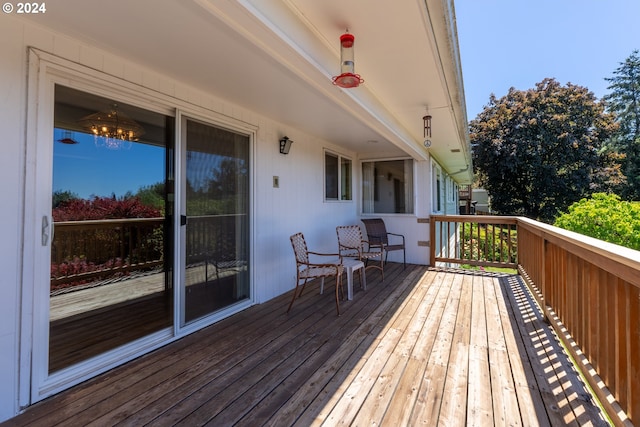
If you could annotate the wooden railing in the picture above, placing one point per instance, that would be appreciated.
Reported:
(589, 290)
(88, 250)
(217, 239)
(488, 241)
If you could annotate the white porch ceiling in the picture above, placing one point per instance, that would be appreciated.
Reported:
(277, 57)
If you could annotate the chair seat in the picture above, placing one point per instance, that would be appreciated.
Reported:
(310, 272)
(378, 236)
(306, 270)
(351, 244)
(370, 255)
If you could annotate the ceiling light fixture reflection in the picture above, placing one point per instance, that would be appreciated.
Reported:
(112, 129)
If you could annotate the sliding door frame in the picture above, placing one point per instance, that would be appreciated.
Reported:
(44, 72)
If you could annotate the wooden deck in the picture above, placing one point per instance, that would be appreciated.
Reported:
(426, 346)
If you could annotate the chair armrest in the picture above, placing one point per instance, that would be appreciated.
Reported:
(399, 235)
(337, 265)
(374, 245)
(349, 251)
(341, 247)
(329, 264)
(322, 254)
(321, 258)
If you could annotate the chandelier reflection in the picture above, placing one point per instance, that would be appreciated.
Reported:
(112, 129)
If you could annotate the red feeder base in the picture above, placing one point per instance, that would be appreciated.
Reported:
(348, 80)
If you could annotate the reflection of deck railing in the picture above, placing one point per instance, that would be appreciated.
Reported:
(83, 251)
(588, 289)
(86, 251)
(220, 240)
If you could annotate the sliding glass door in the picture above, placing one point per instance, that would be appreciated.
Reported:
(111, 253)
(215, 222)
(142, 233)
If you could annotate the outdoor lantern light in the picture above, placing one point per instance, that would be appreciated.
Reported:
(348, 78)
(427, 130)
(285, 145)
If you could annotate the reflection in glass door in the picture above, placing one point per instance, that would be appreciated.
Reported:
(111, 256)
(216, 235)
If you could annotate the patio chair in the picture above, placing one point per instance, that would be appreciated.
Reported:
(306, 270)
(379, 236)
(352, 245)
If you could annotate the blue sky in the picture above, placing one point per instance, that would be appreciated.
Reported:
(518, 43)
(87, 169)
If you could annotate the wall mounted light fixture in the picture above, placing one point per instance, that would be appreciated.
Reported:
(285, 145)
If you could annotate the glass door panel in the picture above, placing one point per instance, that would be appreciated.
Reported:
(111, 255)
(217, 219)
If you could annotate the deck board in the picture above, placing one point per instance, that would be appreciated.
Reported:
(424, 346)
(479, 407)
(454, 401)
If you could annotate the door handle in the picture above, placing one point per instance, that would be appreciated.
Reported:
(183, 220)
(46, 231)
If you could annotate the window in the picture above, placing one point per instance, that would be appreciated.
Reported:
(337, 177)
(387, 186)
(437, 189)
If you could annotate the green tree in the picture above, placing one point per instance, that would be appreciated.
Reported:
(152, 195)
(60, 196)
(605, 217)
(539, 150)
(624, 101)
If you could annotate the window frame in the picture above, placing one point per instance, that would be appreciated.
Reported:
(410, 200)
(344, 184)
(437, 199)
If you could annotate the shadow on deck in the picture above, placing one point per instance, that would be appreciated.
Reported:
(425, 346)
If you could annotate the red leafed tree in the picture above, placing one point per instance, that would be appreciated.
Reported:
(95, 253)
(103, 208)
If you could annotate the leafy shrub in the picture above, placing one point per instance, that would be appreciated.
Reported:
(78, 266)
(605, 217)
(75, 209)
(487, 242)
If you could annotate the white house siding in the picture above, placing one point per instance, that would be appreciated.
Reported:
(451, 197)
(297, 205)
(416, 233)
(449, 201)
(12, 98)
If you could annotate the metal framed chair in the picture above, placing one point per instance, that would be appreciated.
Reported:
(352, 245)
(306, 270)
(379, 236)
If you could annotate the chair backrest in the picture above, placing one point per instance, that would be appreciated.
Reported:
(376, 231)
(349, 239)
(300, 248)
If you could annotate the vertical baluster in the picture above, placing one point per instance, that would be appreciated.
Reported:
(510, 253)
(448, 239)
(470, 241)
(494, 251)
(440, 244)
(478, 242)
(459, 240)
